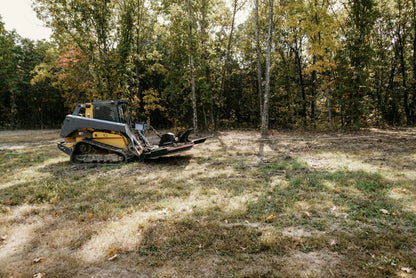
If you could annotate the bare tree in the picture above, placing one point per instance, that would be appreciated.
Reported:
(265, 112)
(229, 44)
(258, 51)
(192, 68)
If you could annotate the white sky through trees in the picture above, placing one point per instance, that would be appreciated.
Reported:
(18, 15)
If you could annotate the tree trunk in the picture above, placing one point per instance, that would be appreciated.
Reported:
(298, 58)
(404, 84)
(227, 54)
(328, 102)
(402, 42)
(393, 111)
(313, 100)
(205, 57)
(13, 109)
(191, 66)
(413, 97)
(287, 82)
(265, 114)
(258, 51)
(138, 50)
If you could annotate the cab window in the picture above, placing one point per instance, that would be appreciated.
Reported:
(105, 113)
(124, 113)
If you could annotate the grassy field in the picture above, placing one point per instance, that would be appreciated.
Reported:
(298, 205)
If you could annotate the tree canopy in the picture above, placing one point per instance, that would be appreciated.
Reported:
(216, 63)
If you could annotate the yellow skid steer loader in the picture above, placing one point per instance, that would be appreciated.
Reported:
(102, 132)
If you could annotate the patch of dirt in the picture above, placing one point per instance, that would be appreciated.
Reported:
(297, 232)
(311, 264)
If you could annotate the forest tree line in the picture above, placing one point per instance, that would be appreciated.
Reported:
(294, 64)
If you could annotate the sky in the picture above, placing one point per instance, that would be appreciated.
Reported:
(19, 15)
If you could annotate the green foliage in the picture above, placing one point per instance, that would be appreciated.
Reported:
(24, 104)
(355, 62)
(332, 65)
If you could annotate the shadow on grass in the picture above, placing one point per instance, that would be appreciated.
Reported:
(362, 241)
(65, 168)
(99, 189)
(175, 160)
(11, 160)
(389, 151)
(372, 231)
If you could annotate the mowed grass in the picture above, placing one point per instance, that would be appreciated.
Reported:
(234, 206)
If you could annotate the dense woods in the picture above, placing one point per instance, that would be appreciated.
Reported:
(325, 64)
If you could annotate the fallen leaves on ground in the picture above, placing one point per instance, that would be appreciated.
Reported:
(38, 259)
(270, 218)
(112, 254)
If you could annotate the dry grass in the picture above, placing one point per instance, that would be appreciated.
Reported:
(329, 205)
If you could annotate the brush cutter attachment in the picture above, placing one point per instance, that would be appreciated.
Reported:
(169, 143)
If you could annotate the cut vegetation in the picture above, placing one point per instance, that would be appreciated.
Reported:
(297, 205)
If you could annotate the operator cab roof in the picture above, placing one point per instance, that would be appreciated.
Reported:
(109, 102)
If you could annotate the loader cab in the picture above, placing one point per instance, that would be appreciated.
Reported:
(113, 110)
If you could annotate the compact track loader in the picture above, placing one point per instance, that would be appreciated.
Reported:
(102, 132)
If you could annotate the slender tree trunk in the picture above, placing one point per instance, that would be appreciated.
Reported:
(102, 29)
(404, 84)
(13, 110)
(287, 85)
(265, 114)
(313, 100)
(191, 65)
(40, 114)
(401, 50)
(413, 98)
(211, 112)
(393, 113)
(204, 36)
(328, 102)
(138, 49)
(317, 38)
(258, 51)
(227, 55)
(301, 81)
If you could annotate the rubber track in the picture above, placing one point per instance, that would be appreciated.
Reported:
(127, 155)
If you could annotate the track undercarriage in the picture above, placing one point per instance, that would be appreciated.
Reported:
(94, 152)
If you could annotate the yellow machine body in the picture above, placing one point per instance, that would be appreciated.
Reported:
(109, 138)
